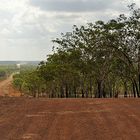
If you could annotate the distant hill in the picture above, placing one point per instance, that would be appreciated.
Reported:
(19, 62)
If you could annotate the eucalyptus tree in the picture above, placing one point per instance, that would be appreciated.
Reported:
(128, 42)
(95, 57)
(133, 27)
(60, 72)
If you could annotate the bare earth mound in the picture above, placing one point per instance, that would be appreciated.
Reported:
(69, 119)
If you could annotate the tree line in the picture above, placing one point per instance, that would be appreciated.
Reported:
(100, 59)
(6, 71)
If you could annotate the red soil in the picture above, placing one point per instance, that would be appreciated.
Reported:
(69, 119)
(6, 88)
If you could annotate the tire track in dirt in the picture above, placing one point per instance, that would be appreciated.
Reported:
(69, 119)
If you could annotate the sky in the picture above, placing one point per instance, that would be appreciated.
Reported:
(28, 26)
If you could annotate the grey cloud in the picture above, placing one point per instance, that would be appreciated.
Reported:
(72, 16)
(78, 5)
(26, 29)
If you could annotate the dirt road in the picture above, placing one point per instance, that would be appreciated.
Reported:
(69, 119)
(6, 88)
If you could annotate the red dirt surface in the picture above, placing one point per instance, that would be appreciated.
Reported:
(69, 119)
(6, 88)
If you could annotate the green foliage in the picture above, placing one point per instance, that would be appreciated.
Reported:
(6, 70)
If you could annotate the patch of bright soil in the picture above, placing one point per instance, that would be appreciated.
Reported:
(69, 119)
(6, 88)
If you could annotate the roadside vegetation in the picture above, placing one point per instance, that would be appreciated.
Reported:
(6, 71)
(100, 59)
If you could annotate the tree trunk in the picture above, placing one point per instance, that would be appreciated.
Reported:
(66, 88)
(90, 88)
(139, 86)
(134, 91)
(62, 92)
(125, 89)
(136, 86)
(87, 93)
(138, 72)
(75, 93)
(100, 91)
(82, 93)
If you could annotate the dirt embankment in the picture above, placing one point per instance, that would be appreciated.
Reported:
(69, 119)
(6, 88)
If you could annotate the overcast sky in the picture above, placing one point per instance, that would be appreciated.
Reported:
(28, 26)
